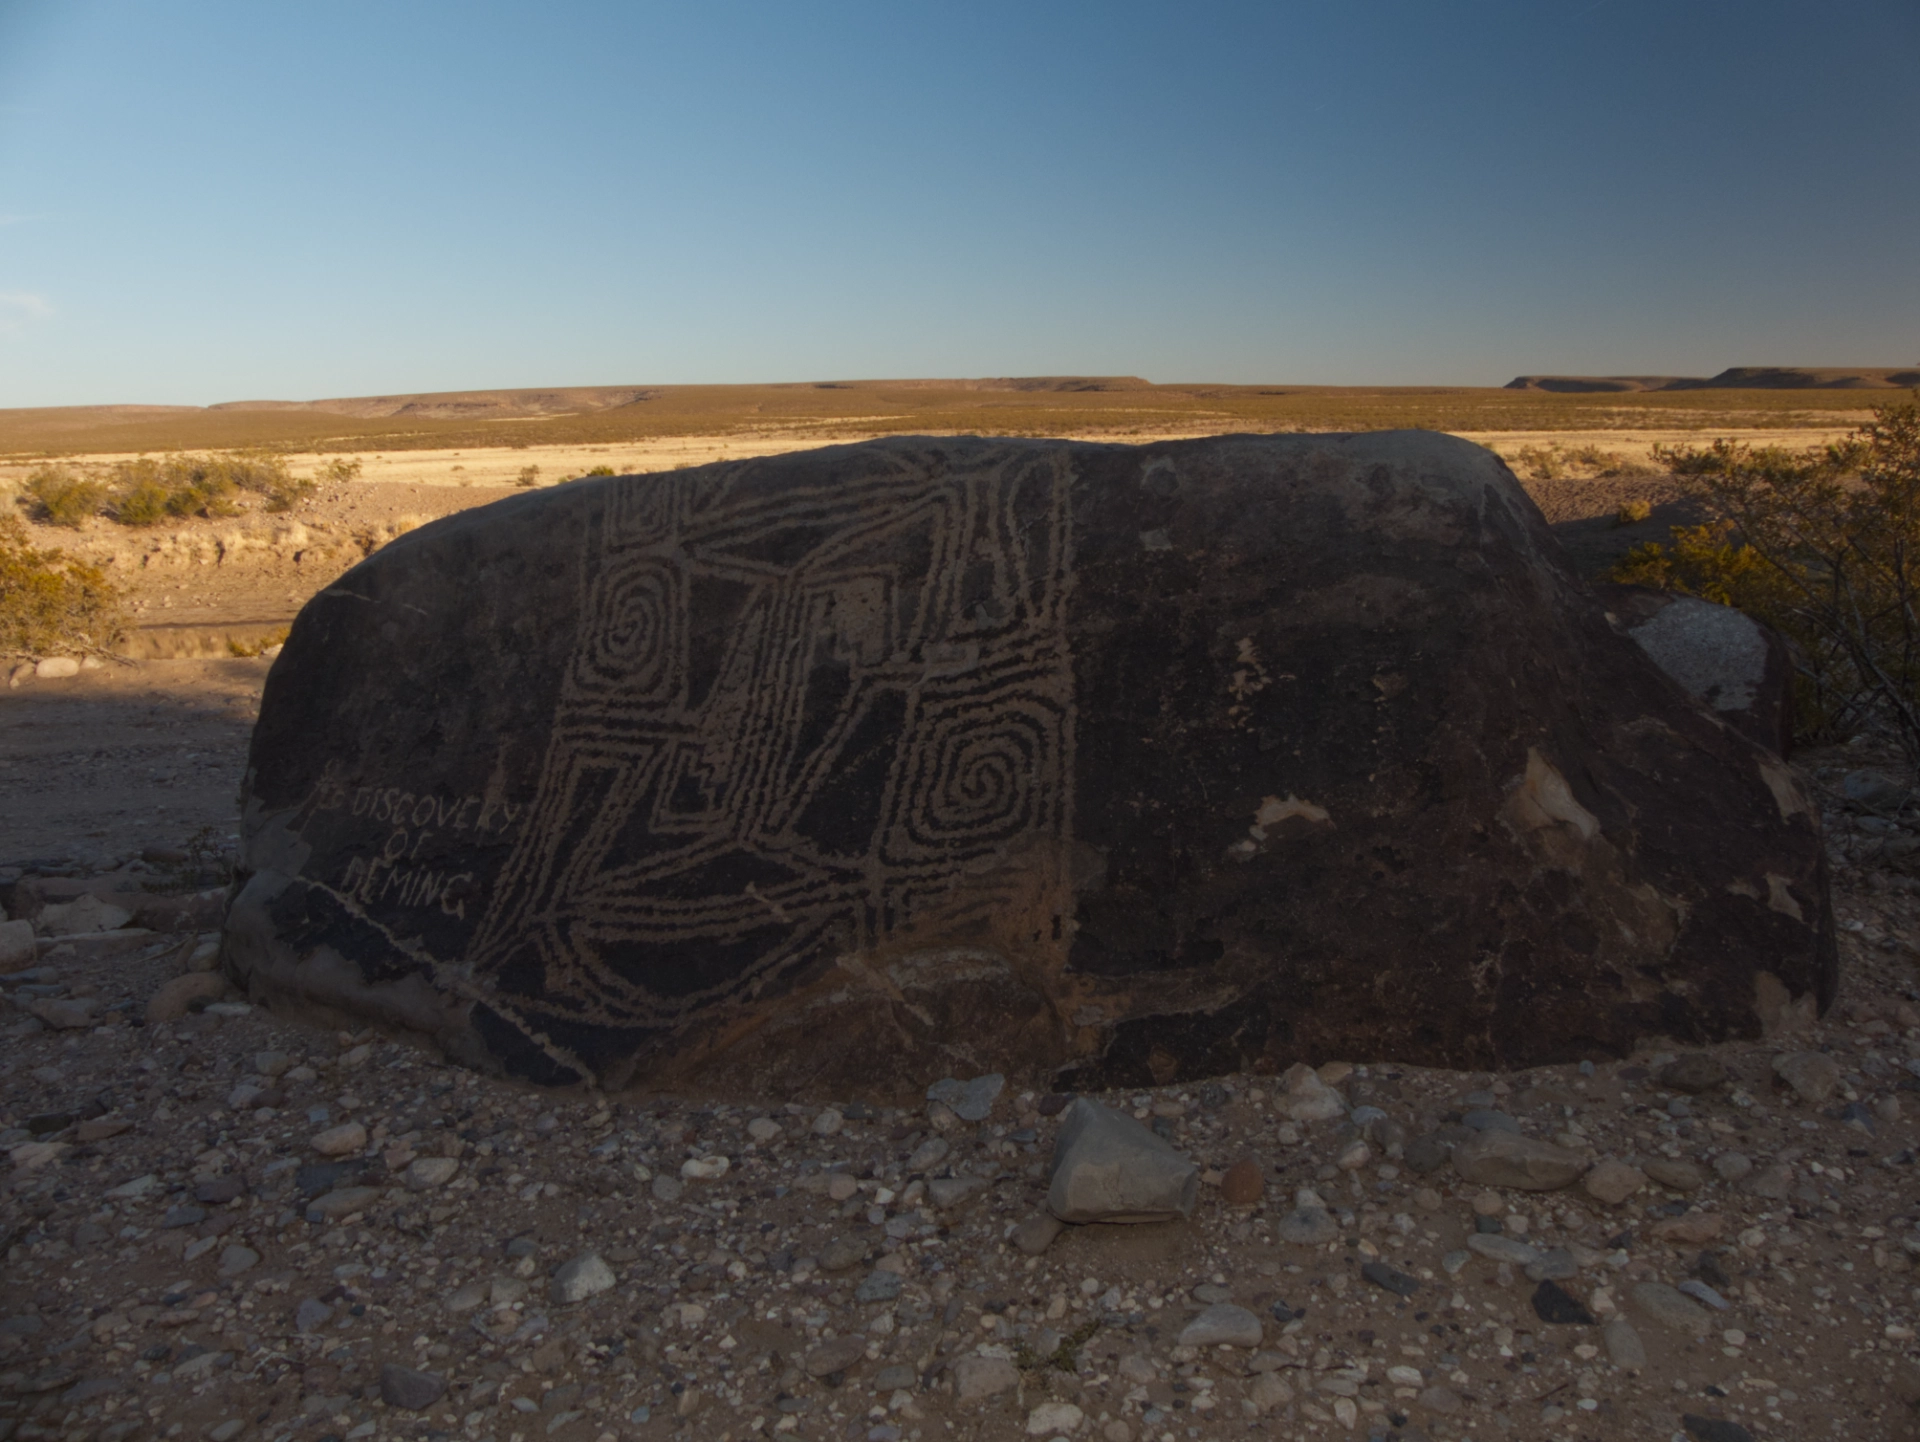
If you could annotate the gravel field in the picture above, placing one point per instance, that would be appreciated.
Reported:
(219, 1222)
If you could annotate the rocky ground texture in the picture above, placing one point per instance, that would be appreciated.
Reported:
(219, 1223)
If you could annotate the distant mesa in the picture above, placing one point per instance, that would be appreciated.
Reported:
(1065, 384)
(1734, 378)
(578, 400)
(464, 405)
(1579, 385)
(1836, 378)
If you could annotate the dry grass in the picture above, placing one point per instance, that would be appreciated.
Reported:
(1124, 411)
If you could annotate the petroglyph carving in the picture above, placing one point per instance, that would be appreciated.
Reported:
(792, 725)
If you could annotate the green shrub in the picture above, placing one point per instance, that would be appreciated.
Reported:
(53, 603)
(151, 489)
(1824, 546)
(143, 503)
(598, 471)
(60, 497)
(1632, 513)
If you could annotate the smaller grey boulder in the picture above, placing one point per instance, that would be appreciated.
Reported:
(1497, 1248)
(409, 1390)
(971, 1101)
(1612, 1181)
(1624, 1347)
(945, 1192)
(583, 1277)
(1308, 1227)
(977, 1378)
(1109, 1168)
(835, 1356)
(1813, 1075)
(1673, 1308)
(1222, 1324)
(82, 915)
(1306, 1098)
(1035, 1234)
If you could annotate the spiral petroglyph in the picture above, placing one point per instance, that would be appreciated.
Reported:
(886, 709)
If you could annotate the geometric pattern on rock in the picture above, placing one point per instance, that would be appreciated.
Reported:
(792, 722)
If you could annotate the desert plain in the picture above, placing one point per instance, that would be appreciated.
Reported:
(221, 1222)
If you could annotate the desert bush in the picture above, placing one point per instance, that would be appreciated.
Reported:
(1538, 464)
(1632, 513)
(51, 603)
(1824, 546)
(255, 648)
(142, 503)
(1558, 463)
(62, 497)
(340, 468)
(529, 476)
(597, 471)
(151, 489)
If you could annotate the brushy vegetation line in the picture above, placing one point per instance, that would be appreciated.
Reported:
(149, 490)
(1824, 546)
(1562, 462)
(51, 603)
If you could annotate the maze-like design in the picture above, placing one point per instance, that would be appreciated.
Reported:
(795, 721)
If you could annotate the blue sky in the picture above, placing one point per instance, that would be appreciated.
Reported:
(204, 201)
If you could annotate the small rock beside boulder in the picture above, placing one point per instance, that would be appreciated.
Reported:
(1306, 1098)
(1034, 1235)
(1109, 1168)
(1624, 1347)
(1813, 1075)
(81, 916)
(835, 1356)
(1612, 1181)
(1506, 1159)
(977, 1378)
(1309, 1224)
(1673, 1308)
(971, 1101)
(409, 1390)
(583, 1277)
(1675, 1174)
(1693, 1074)
(175, 998)
(1223, 1324)
(17, 945)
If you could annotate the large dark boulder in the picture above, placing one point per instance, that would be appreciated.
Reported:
(847, 770)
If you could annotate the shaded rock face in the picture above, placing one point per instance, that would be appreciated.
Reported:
(848, 770)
